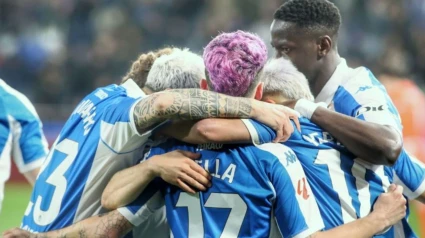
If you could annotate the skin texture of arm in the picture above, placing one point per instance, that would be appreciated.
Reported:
(108, 225)
(210, 130)
(372, 142)
(31, 175)
(364, 227)
(176, 167)
(387, 211)
(195, 104)
(189, 104)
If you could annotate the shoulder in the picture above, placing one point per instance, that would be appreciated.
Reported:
(360, 81)
(276, 152)
(16, 103)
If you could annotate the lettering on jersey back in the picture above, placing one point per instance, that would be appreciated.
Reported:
(217, 171)
(209, 146)
(317, 138)
(87, 111)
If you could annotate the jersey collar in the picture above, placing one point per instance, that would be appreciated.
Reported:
(133, 90)
(329, 90)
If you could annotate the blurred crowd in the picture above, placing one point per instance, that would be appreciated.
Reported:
(56, 51)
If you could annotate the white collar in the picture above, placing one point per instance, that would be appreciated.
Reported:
(329, 90)
(133, 90)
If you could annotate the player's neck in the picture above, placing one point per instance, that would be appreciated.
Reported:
(329, 66)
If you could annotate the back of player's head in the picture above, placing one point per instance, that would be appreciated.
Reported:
(314, 15)
(180, 69)
(233, 60)
(281, 77)
(140, 68)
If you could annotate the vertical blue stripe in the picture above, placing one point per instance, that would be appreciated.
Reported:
(347, 165)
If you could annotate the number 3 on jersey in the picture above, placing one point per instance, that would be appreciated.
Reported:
(215, 200)
(56, 179)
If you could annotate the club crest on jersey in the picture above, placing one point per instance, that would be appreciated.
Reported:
(86, 110)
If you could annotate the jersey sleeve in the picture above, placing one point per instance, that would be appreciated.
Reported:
(118, 129)
(149, 201)
(259, 132)
(295, 208)
(410, 174)
(29, 146)
(366, 99)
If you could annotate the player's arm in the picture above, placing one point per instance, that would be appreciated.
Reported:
(365, 121)
(176, 167)
(111, 224)
(375, 143)
(387, 211)
(211, 130)
(195, 104)
(29, 146)
(409, 173)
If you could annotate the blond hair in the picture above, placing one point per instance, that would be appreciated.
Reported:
(141, 67)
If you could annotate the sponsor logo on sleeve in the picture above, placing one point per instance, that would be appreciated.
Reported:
(365, 109)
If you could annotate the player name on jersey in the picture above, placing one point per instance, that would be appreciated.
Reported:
(317, 138)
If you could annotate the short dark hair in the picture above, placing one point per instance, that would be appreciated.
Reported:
(311, 14)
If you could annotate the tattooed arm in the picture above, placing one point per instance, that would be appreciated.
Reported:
(107, 225)
(193, 104)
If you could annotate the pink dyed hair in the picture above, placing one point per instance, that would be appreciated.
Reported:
(233, 60)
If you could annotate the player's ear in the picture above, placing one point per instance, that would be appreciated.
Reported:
(259, 91)
(324, 45)
(204, 85)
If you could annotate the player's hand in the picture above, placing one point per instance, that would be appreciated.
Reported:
(179, 168)
(17, 232)
(279, 118)
(391, 206)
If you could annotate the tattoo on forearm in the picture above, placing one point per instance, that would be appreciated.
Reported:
(112, 225)
(190, 104)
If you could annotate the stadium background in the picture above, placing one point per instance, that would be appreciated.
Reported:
(56, 51)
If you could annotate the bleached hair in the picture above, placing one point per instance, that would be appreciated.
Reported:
(281, 76)
(180, 69)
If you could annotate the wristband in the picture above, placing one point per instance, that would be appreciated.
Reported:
(306, 108)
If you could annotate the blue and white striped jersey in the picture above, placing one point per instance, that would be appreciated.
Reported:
(22, 137)
(357, 93)
(345, 188)
(250, 186)
(99, 139)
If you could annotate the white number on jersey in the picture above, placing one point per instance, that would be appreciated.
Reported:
(216, 200)
(57, 179)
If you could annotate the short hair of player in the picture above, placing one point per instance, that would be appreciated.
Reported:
(315, 15)
(281, 77)
(140, 68)
(232, 61)
(180, 69)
